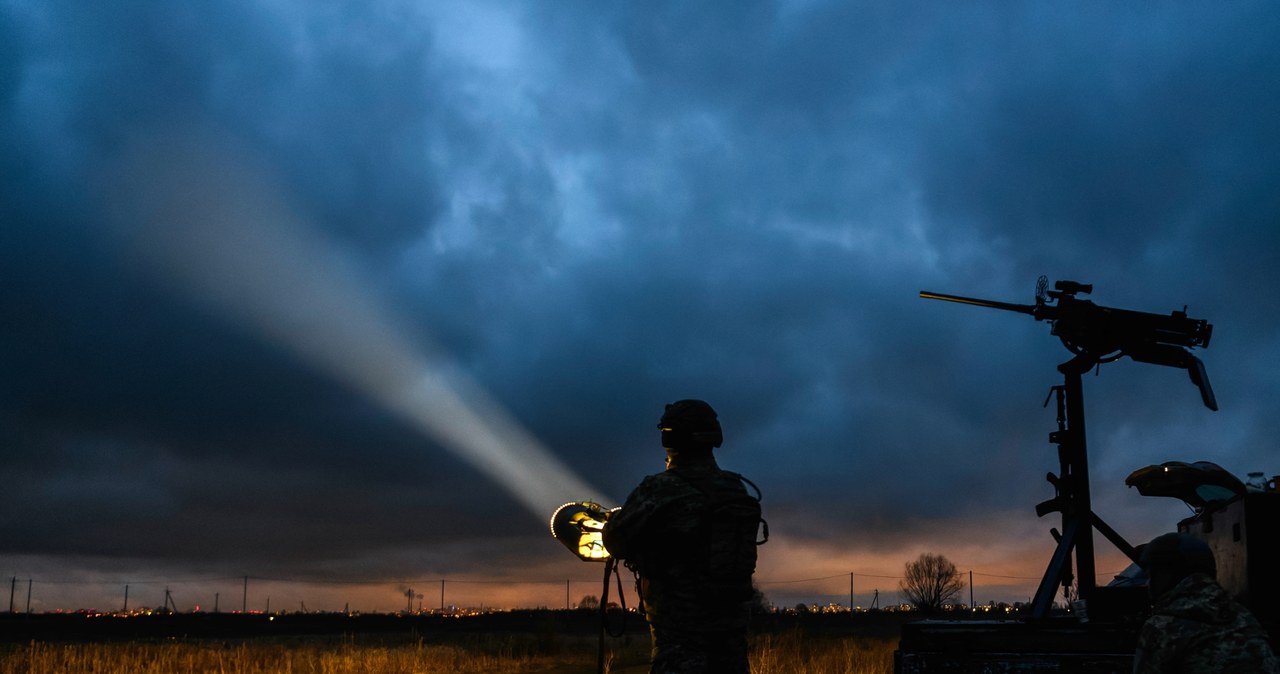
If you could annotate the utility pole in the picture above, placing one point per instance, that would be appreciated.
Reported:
(28, 596)
(850, 593)
(244, 602)
(126, 599)
(972, 608)
(215, 601)
(442, 595)
(566, 594)
(13, 585)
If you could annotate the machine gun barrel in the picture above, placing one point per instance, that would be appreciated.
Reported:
(1029, 309)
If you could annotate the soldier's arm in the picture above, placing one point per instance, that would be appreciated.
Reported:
(1157, 647)
(625, 531)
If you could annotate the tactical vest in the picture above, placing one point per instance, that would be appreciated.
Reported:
(727, 535)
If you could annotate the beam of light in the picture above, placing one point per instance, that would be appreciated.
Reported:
(205, 214)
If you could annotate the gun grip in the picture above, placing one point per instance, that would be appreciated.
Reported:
(1199, 377)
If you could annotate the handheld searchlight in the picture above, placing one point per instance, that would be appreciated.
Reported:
(579, 526)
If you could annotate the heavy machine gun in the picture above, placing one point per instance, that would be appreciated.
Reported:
(1094, 335)
(1097, 334)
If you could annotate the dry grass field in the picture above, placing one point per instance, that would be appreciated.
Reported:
(792, 653)
(786, 653)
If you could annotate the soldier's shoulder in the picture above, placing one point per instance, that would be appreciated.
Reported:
(1160, 629)
(662, 484)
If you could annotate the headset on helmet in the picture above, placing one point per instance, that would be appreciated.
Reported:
(690, 424)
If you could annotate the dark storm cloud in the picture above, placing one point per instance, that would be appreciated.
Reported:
(598, 210)
(1115, 146)
(129, 401)
(804, 203)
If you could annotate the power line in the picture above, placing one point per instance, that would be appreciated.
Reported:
(799, 580)
(992, 575)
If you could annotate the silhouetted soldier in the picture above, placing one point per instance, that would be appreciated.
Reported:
(1195, 626)
(690, 535)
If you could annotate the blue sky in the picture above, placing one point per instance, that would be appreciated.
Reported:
(226, 228)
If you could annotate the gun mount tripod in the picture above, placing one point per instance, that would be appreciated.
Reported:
(1095, 335)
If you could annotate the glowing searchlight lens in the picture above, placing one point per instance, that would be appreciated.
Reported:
(578, 525)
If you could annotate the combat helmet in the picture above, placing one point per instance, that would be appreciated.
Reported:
(1178, 553)
(690, 424)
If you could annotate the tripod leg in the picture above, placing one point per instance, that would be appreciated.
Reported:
(1057, 566)
(604, 616)
(1116, 539)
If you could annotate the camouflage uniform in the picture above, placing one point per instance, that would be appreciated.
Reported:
(696, 587)
(1197, 627)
